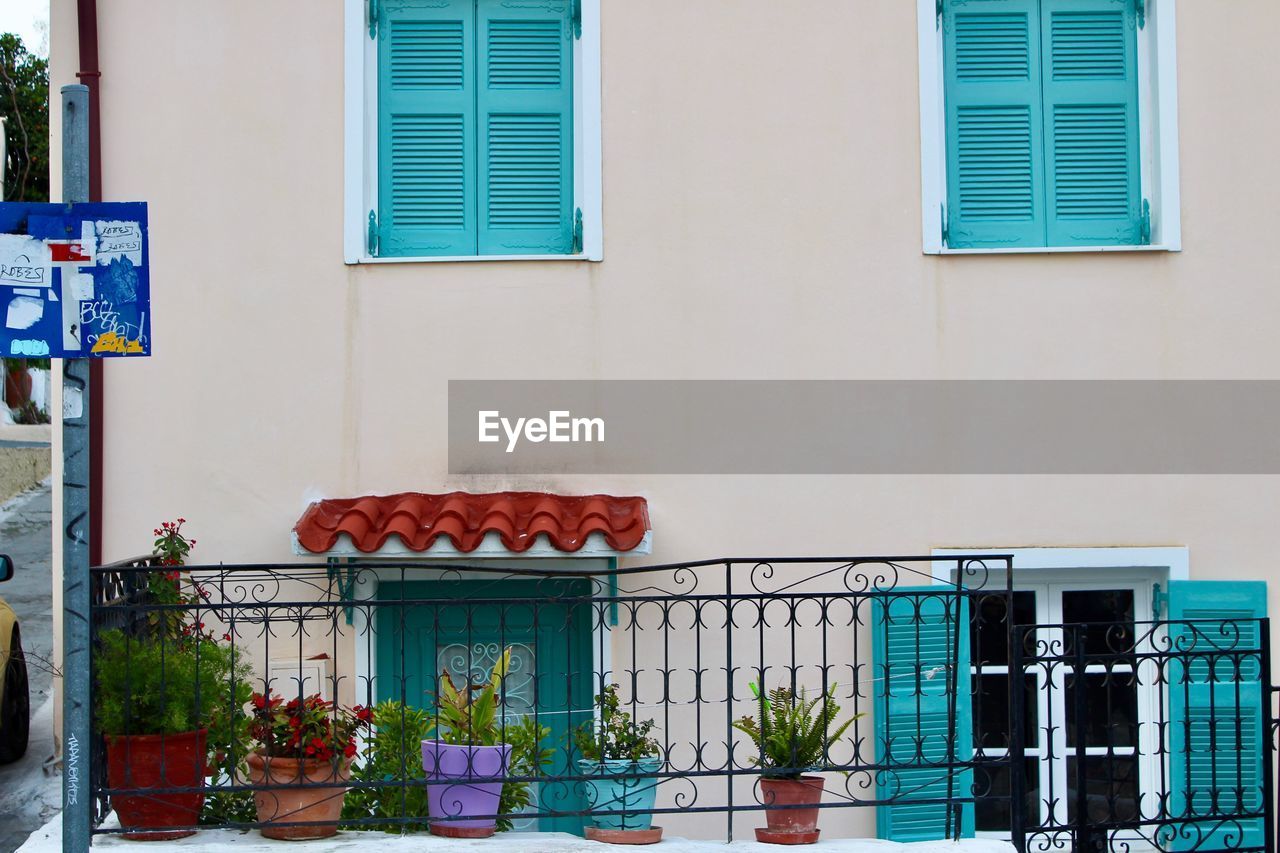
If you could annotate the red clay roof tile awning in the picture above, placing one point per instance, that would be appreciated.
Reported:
(463, 520)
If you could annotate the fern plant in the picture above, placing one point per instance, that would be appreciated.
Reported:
(793, 733)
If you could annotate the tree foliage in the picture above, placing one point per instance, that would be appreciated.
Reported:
(24, 102)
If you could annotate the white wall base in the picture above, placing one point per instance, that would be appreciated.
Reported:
(49, 840)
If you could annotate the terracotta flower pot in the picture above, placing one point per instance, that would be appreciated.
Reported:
(142, 762)
(790, 825)
(306, 799)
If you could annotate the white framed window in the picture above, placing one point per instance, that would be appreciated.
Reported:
(1048, 126)
(472, 131)
(1120, 744)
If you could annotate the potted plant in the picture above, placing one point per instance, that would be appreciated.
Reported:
(301, 763)
(167, 696)
(17, 382)
(159, 697)
(793, 735)
(465, 760)
(621, 762)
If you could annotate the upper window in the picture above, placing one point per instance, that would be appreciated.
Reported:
(476, 131)
(1047, 126)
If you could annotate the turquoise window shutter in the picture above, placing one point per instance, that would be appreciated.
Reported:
(913, 648)
(426, 128)
(995, 151)
(525, 115)
(1215, 736)
(1090, 81)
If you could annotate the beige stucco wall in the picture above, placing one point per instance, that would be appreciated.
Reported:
(762, 193)
(761, 220)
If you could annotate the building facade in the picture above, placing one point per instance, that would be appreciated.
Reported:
(354, 202)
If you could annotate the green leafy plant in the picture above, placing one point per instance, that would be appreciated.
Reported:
(469, 717)
(29, 413)
(529, 759)
(393, 756)
(793, 733)
(614, 737)
(158, 684)
(306, 728)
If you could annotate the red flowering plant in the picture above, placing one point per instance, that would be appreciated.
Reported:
(309, 728)
(170, 551)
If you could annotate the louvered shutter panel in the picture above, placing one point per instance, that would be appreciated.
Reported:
(1091, 122)
(1215, 736)
(915, 637)
(995, 153)
(426, 127)
(525, 102)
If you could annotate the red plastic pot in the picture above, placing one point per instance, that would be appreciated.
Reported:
(17, 387)
(790, 825)
(143, 763)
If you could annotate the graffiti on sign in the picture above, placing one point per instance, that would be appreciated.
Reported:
(74, 280)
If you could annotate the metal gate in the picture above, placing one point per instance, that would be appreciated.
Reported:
(1145, 736)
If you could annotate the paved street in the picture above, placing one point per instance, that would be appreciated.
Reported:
(28, 797)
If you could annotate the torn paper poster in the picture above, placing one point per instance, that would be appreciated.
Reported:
(118, 239)
(24, 261)
(24, 312)
(92, 259)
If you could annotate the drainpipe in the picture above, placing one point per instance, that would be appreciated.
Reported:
(89, 74)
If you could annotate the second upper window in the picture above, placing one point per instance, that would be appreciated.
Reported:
(1042, 120)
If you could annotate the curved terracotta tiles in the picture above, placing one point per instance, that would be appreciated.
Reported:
(517, 517)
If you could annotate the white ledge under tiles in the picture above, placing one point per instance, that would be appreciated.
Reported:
(48, 839)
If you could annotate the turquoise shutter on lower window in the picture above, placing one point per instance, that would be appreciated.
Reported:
(426, 127)
(915, 638)
(995, 153)
(1215, 736)
(525, 114)
(1090, 76)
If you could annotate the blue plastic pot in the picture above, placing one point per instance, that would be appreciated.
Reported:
(626, 788)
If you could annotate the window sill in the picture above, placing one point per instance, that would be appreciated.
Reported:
(1051, 250)
(458, 259)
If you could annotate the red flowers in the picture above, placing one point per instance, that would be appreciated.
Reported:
(306, 727)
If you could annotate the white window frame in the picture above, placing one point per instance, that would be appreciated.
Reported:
(360, 140)
(1158, 135)
(1057, 569)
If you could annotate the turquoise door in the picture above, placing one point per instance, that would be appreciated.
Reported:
(461, 627)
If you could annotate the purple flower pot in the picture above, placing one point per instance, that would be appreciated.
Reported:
(452, 796)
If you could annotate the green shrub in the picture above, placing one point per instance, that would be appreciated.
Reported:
(154, 684)
(394, 756)
(615, 737)
(528, 758)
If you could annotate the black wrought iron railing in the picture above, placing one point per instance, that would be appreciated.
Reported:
(868, 648)
(1169, 744)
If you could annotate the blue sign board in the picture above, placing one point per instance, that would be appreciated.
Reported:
(74, 280)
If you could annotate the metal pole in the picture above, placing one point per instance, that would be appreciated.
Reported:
(77, 802)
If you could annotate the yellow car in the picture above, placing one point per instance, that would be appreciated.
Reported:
(15, 702)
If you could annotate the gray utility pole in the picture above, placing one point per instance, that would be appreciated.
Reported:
(77, 738)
